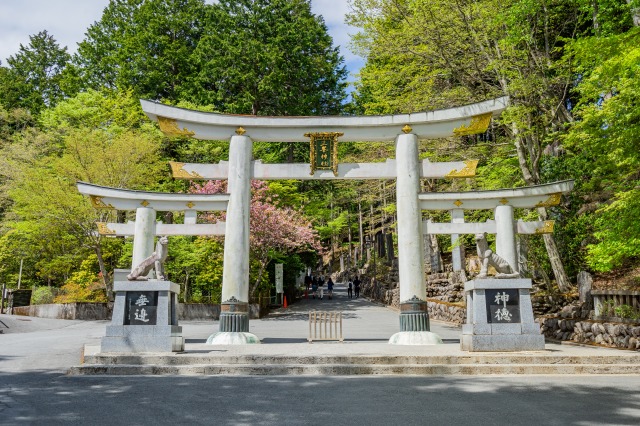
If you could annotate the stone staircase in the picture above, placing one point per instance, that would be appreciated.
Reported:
(357, 364)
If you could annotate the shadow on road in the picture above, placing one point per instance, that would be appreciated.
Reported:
(45, 398)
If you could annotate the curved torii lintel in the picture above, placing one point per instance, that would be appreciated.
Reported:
(546, 195)
(104, 197)
(464, 120)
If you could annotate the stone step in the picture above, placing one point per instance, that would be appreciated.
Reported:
(358, 360)
(354, 369)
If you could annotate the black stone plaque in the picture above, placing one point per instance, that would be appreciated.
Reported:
(503, 306)
(141, 308)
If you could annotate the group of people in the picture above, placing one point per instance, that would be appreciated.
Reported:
(353, 286)
(316, 284)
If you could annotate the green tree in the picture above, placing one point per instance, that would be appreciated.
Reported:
(35, 75)
(433, 54)
(142, 45)
(267, 57)
(40, 170)
(603, 146)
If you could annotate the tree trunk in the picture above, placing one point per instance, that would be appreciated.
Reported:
(103, 272)
(554, 257)
(635, 14)
(255, 285)
(350, 256)
(186, 287)
(522, 156)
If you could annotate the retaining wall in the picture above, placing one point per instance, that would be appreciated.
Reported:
(608, 334)
(448, 312)
(68, 311)
(102, 311)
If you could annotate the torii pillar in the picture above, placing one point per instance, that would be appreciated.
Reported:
(234, 309)
(414, 318)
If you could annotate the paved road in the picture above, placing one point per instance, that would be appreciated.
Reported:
(34, 390)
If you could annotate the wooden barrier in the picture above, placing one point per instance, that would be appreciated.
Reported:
(325, 326)
(606, 302)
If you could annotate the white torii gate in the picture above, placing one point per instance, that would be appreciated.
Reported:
(146, 204)
(163, 334)
(405, 129)
(502, 201)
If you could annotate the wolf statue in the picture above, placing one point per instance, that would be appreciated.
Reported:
(489, 258)
(156, 260)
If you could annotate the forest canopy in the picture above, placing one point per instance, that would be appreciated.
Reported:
(569, 67)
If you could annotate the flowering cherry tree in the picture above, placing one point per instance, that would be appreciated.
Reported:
(273, 228)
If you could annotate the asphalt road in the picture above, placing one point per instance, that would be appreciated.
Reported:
(46, 398)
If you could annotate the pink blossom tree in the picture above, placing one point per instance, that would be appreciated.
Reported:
(273, 229)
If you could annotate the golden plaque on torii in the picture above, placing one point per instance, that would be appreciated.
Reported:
(324, 151)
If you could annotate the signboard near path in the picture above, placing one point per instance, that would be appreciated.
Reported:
(279, 280)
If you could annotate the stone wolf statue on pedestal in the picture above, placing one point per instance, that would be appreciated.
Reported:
(489, 258)
(156, 260)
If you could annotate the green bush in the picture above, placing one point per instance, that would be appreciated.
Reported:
(42, 296)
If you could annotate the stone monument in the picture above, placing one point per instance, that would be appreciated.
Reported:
(145, 312)
(499, 312)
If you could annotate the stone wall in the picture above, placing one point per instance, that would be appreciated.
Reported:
(455, 313)
(445, 293)
(380, 292)
(446, 286)
(102, 311)
(68, 311)
(609, 334)
(198, 312)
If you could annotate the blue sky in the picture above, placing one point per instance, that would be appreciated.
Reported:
(67, 21)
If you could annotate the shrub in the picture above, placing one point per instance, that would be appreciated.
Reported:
(83, 286)
(42, 296)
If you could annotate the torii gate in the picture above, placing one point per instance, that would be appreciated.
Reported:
(405, 129)
(502, 202)
(162, 333)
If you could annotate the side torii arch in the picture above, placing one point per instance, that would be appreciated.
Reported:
(404, 129)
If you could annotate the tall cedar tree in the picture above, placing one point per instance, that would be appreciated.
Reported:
(143, 45)
(34, 78)
(268, 57)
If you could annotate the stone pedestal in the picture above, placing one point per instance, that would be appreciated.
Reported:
(234, 325)
(414, 325)
(145, 318)
(500, 317)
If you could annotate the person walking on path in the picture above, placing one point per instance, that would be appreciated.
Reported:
(330, 288)
(350, 289)
(307, 283)
(321, 287)
(356, 286)
(314, 286)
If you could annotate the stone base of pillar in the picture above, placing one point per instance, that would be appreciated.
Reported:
(500, 317)
(415, 338)
(232, 338)
(414, 325)
(234, 325)
(236, 322)
(234, 316)
(414, 315)
(144, 318)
